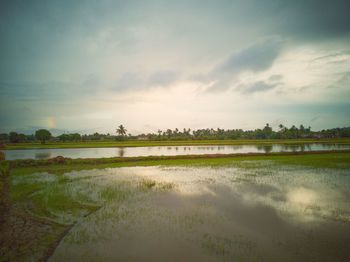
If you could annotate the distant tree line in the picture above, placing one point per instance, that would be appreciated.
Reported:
(266, 132)
(14, 137)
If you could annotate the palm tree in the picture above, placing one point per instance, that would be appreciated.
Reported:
(121, 130)
(169, 132)
(159, 132)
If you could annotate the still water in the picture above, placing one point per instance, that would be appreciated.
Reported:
(164, 151)
(258, 212)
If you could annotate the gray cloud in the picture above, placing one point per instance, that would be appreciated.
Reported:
(274, 78)
(255, 58)
(259, 86)
(313, 19)
(91, 83)
(129, 80)
(133, 80)
(163, 78)
(61, 50)
(331, 56)
(58, 91)
(342, 82)
(30, 90)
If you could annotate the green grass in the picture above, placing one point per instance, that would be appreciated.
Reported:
(140, 143)
(337, 159)
(4, 168)
(4, 173)
(65, 199)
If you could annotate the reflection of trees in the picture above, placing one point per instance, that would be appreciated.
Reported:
(294, 148)
(284, 148)
(42, 155)
(265, 148)
(236, 147)
(297, 148)
(2, 156)
(121, 152)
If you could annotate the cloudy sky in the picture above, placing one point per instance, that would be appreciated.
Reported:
(91, 65)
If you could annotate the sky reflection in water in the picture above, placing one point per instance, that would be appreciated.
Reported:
(265, 213)
(164, 150)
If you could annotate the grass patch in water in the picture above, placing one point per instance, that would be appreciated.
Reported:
(114, 193)
(148, 184)
(235, 246)
(64, 198)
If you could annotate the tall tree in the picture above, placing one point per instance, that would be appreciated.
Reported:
(159, 132)
(13, 137)
(267, 131)
(121, 131)
(43, 135)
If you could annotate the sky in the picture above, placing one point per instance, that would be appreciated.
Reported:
(89, 66)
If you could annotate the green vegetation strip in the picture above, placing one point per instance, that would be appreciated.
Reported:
(318, 159)
(138, 143)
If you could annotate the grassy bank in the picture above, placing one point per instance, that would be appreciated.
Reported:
(318, 159)
(142, 143)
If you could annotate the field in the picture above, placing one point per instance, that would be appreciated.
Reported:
(100, 208)
(142, 143)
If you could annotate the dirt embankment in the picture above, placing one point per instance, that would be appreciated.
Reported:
(22, 235)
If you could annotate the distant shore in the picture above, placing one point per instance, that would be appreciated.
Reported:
(151, 143)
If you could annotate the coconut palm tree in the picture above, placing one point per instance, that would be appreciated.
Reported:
(121, 131)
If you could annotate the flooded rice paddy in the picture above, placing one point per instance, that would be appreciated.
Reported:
(256, 210)
(165, 150)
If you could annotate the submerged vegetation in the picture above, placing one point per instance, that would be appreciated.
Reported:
(99, 202)
(49, 204)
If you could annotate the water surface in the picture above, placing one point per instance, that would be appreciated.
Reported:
(263, 212)
(164, 151)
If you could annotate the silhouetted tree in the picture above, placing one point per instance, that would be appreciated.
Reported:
(43, 135)
(121, 131)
